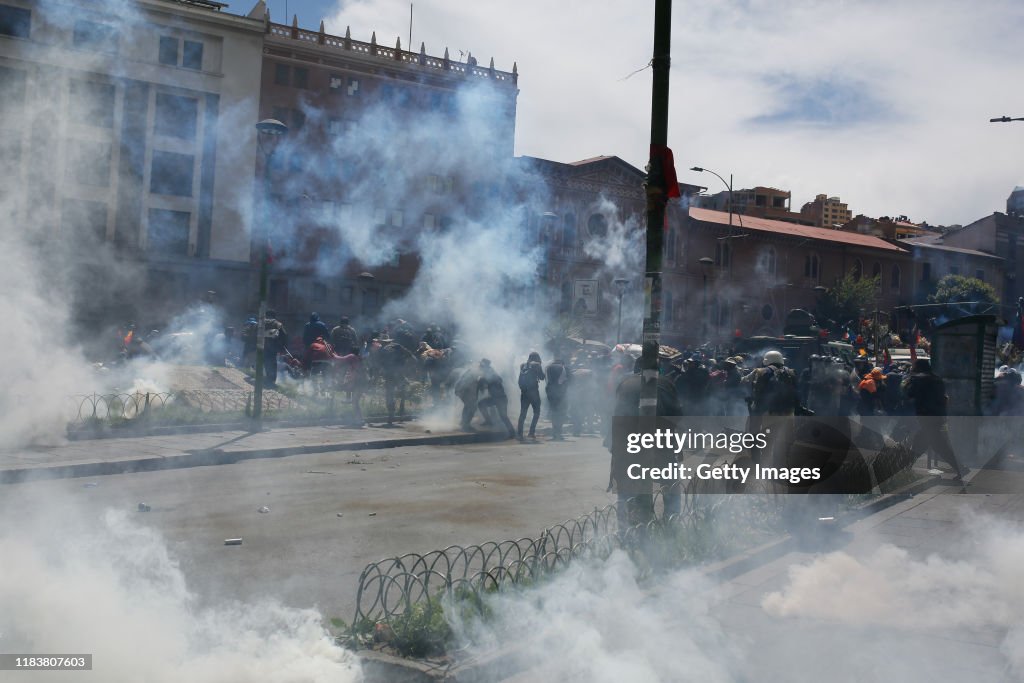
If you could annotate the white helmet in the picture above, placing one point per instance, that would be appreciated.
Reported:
(774, 358)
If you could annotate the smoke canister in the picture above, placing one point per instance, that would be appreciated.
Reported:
(232, 541)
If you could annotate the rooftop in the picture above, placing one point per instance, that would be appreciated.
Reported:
(751, 223)
(934, 243)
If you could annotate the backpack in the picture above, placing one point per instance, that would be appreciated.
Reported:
(527, 377)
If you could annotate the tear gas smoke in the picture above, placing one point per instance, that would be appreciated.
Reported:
(110, 587)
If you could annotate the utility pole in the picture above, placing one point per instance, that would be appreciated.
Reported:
(657, 198)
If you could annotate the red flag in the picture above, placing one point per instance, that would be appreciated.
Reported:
(668, 169)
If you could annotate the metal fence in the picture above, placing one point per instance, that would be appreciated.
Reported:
(390, 591)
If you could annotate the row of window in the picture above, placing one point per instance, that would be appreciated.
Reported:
(100, 37)
(168, 233)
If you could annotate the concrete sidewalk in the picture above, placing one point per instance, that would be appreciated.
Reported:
(138, 454)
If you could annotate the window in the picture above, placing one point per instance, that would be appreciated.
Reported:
(278, 297)
(345, 295)
(353, 87)
(858, 270)
(569, 232)
(336, 126)
(980, 274)
(768, 261)
(429, 221)
(670, 247)
(92, 103)
(319, 292)
(298, 119)
(926, 272)
(767, 312)
(954, 270)
(723, 255)
(176, 116)
(192, 55)
(335, 81)
(168, 232)
(597, 225)
(15, 21)
(722, 313)
(83, 220)
(876, 270)
(171, 174)
(282, 74)
(90, 35)
(168, 50)
(812, 267)
(369, 301)
(300, 77)
(88, 162)
(894, 278)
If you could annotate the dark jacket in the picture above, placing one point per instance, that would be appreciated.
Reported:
(313, 329)
(344, 339)
(927, 393)
(558, 378)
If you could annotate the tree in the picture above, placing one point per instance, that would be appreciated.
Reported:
(845, 300)
(958, 288)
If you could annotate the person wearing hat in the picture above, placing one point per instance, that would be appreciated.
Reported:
(1009, 394)
(927, 393)
(773, 387)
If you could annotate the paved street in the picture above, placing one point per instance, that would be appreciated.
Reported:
(392, 501)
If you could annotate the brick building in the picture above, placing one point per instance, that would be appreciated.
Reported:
(826, 212)
(720, 279)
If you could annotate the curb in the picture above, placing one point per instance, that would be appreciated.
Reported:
(218, 456)
(141, 430)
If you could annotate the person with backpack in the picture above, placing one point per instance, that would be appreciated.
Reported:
(531, 374)
(774, 387)
(557, 389)
(344, 338)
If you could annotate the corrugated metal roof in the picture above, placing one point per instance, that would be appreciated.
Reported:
(928, 244)
(792, 229)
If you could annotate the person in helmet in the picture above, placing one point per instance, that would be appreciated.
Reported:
(774, 387)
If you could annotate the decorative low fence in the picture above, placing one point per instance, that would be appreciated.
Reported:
(403, 600)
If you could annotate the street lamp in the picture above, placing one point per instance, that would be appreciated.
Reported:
(365, 279)
(1005, 119)
(268, 134)
(620, 284)
(728, 185)
(705, 262)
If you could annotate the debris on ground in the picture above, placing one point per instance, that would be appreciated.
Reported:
(232, 541)
(264, 509)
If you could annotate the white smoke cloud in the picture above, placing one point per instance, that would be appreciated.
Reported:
(109, 587)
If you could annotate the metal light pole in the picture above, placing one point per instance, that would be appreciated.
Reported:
(268, 133)
(620, 284)
(657, 198)
(728, 185)
(705, 262)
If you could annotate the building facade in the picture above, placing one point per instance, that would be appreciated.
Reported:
(122, 143)
(826, 212)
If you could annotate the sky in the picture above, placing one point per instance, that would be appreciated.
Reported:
(884, 104)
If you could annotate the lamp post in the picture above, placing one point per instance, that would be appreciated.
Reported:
(728, 186)
(268, 133)
(705, 262)
(1005, 119)
(620, 284)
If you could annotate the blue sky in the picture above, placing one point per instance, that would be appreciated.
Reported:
(884, 104)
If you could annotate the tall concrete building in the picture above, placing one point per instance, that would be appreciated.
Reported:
(123, 139)
(826, 212)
